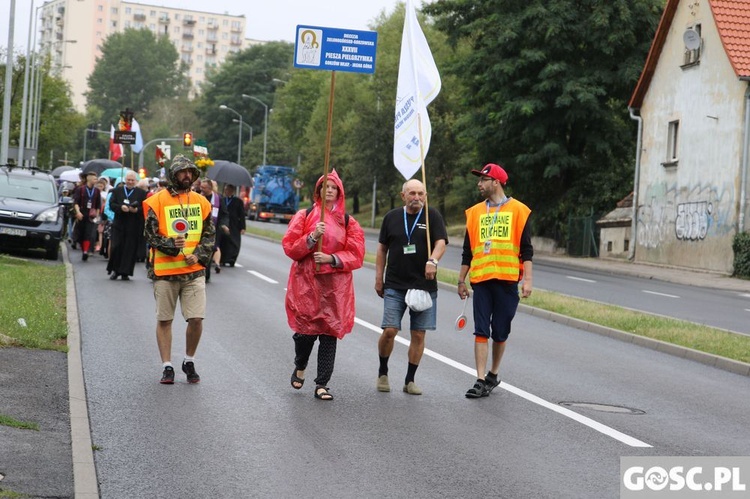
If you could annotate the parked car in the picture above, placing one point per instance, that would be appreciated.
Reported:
(31, 213)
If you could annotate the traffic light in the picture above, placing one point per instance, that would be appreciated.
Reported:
(187, 139)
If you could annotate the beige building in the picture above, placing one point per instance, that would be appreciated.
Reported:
(73, 31)
(693, 104)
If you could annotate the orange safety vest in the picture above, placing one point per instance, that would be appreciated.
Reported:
(174, 211)
(504, 233)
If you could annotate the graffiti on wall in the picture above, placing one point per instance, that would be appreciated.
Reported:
(669, 214)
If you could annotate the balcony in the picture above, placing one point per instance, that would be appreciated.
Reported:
(210, 50)
(187, 48)
(212, 26)
(236, 29)
(163, 20)
(139, 16)
(187, 36)
(235, 41)
(188, 22)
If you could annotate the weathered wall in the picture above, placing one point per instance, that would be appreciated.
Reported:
(687, 213)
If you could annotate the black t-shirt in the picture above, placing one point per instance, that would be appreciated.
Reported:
(407, 271)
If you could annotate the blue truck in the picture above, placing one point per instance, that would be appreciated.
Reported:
(273, 195)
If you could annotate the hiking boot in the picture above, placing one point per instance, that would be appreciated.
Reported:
(189, 369)
(412, 389)
(479, 390)
(383, 384)
(167, 377)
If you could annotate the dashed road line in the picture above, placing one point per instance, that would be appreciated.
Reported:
(659, 294)
(580, 279)
(261, 276)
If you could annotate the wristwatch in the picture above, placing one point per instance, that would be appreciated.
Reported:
(432, 261)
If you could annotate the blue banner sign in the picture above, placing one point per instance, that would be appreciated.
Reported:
(335, 49)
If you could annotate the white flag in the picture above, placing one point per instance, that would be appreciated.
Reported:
(418, 85)
(135, 127)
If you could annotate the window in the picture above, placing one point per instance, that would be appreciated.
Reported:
(673, 143)
(626, 246)
(693, 55)
(128, 10)
(113, 11)
(100, 8)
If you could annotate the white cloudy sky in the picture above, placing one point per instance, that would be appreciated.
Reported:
(266, 19)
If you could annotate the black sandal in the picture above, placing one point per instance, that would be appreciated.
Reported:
(322, 393)
(491, 380)
(297, 379)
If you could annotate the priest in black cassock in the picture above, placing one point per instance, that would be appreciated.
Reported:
(127, 227)
(231, 238)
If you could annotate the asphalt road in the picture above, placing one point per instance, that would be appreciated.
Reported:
(244, 432)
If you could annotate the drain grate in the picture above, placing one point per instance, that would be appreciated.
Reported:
(616, 409)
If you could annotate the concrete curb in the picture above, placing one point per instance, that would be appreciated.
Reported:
(85, 483)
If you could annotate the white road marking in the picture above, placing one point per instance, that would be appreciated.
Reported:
(261, 276)
(659, 294)
(580, 279)
(745, 295)
(238, 265)
(595, 425)
(747, 310)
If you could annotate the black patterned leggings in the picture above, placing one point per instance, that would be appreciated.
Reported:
(303, 345)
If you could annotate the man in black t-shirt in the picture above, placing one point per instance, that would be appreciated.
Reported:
(403, 244)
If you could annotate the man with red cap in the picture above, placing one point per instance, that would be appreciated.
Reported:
(497, 256)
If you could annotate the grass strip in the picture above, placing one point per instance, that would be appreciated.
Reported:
(14, 423)
(32, 304)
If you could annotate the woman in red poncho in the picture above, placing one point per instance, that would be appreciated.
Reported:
(320, 303)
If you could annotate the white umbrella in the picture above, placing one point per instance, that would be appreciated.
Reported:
(71, 175)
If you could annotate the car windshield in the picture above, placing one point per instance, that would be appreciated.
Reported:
(31, 188)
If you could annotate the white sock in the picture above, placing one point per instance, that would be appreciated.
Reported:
(189, 359)
(167, 364)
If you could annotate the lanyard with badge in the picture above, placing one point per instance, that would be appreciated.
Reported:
(90, 193)
(488, 242)
(127, 195)
(409, 248)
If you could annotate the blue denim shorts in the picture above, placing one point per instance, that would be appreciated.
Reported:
(395, 306)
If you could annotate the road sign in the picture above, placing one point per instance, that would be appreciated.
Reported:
(124, 137)
(298, 183)
(335, 49)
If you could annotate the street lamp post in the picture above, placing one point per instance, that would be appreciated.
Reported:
(265, 123)
(239, 135)
(244, 123)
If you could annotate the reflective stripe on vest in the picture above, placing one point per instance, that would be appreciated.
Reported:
(194, 208)
(504, 233)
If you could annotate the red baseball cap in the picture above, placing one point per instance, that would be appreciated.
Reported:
(494, 171)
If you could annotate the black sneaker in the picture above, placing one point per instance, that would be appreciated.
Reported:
(189, 369)
(85, 257)
(479, 390)
(167, 378)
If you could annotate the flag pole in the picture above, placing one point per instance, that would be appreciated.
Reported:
(419, 124)
(329, 127)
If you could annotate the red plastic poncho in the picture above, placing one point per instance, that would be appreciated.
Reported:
(323, 302)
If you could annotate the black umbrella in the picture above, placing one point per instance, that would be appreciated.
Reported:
(57, 171)
(99, 165)
(227, 172)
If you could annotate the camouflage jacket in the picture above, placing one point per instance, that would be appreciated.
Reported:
(165, 244)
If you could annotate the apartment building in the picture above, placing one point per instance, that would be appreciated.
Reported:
(72, 33)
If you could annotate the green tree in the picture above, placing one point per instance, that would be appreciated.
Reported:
(249, 72)
(136, 68)
(60, 126)
(548, 83)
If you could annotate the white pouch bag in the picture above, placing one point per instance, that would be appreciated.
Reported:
(418, 300)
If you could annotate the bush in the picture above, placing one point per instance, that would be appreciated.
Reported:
(741, 247)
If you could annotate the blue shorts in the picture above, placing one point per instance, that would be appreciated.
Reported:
(495, 305)
(395, 305)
